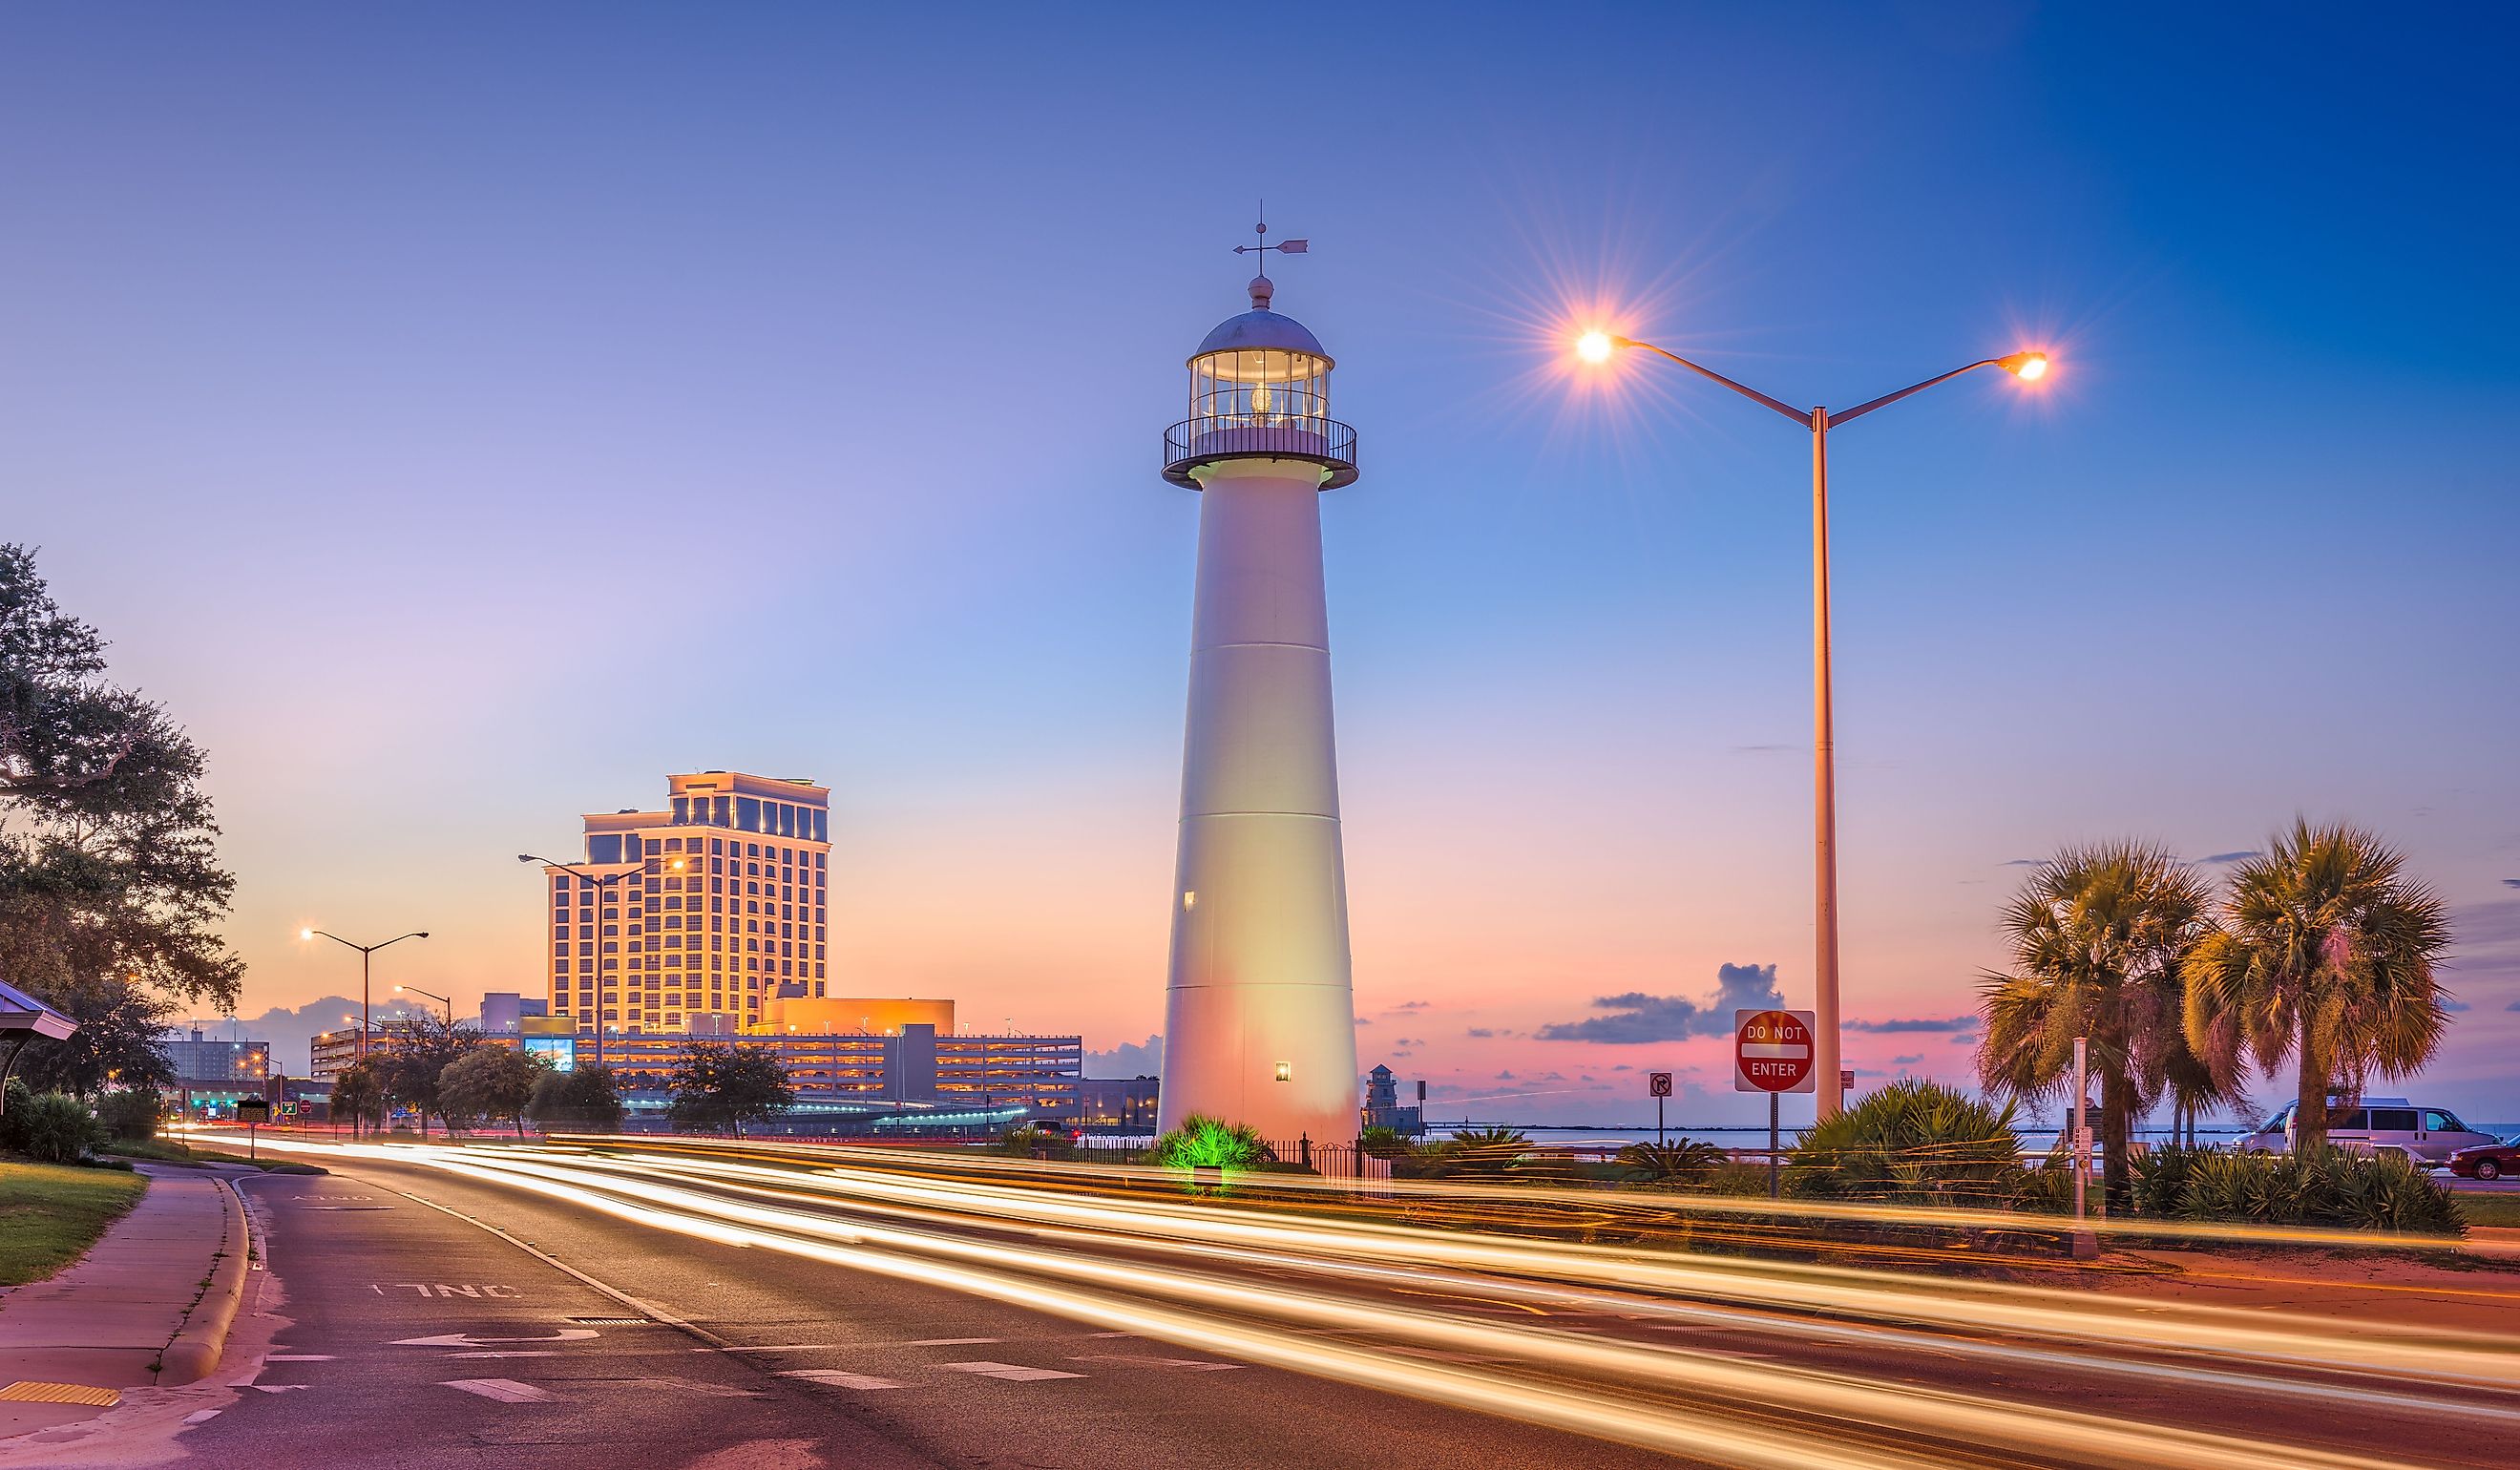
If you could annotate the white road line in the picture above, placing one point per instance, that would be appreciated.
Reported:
(954, 1342)
(298, 1357)
(200, 1417)
(1013, 1373)
(838, 1379)
(503, 1354)
(282, 1387)
(1187, 1364)
(504, 1389)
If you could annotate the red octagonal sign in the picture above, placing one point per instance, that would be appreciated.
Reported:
(1771, 1051)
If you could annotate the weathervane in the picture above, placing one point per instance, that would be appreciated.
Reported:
(1262, 289)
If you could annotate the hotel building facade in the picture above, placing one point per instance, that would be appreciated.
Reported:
(689, 918)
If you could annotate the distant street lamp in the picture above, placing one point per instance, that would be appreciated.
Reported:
(2029, 366)
(432, 995)
(366, 950)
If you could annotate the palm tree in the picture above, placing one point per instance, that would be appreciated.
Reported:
(2325, 956)
(2097, 936)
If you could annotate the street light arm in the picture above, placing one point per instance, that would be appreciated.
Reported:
(400, 938)
(600, 880)
(1886, 399)
(1797, 414)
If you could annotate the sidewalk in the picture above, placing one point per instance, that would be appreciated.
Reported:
(112, 1320)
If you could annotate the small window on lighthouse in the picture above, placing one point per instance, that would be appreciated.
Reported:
(1286, 1071)
(1189, 898)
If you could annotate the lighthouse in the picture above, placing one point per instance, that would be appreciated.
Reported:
(1259, 1020)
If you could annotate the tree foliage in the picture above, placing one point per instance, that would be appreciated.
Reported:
(725, 1085)
(2097, 936)
(110, 883)
(359, 1095)
(496, 1082)
(587, 1099)
(1682, 1161)
(413, 1060)
(2323, 958)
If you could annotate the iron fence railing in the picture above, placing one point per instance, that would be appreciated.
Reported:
(1326, 443)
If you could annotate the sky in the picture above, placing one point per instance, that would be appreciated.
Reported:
(463, 417)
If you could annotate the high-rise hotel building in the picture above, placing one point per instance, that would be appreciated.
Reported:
(684, 919)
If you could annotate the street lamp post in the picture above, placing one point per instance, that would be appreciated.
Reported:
(366, 954)
(2029, 366)
(432, 995)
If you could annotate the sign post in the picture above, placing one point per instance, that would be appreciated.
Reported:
(1773, 1054)
(251, 1111)
(1659, 1084)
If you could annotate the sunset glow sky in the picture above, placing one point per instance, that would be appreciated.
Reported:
(462, 418)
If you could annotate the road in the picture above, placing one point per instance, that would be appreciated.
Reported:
(547, 1307)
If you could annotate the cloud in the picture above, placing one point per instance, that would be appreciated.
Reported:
(2238, 857)
(1762, 750)
(1479, 1030)
(1969, 1039)
(1504, 1077)
(1906, 1062)
(2514, 1006)
(1625, 1067)
(2488, 924)
(1128, 1059)
(1956, 1023)
(2023, 862)
(2511, 882)
(1638, 1017)
(1407, 1005)
(290, 1030)
(2455, 1007)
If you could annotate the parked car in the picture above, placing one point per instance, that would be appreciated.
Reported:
(2488, 1161)
(2425, 1135)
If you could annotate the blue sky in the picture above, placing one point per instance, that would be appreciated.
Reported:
(464, 417)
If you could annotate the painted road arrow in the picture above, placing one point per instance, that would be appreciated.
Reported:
(467, 1340)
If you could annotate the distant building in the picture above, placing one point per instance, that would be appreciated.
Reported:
(716, 901)
(1117, 1104)
(911, 1078)
(1382, 1108)
(213, 1076)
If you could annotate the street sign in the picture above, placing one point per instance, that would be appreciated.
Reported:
(1658, 1083)
(1771, 1051)
(253, 1109)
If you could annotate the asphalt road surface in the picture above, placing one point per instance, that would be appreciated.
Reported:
(449, 1315)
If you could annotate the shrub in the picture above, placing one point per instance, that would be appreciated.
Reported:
(1385, 1144)
(13, 1115)
(2321, 1186)
(1689, 1161)
(53, 1128)
(1481, 1152)
(1029, 1142)
(130, 1113)
(1912, 1142)
(1204, 1142)
(2161, 1175)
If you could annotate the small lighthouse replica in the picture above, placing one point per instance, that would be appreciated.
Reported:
(1259, 1021)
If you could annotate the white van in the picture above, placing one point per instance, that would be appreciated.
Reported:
(2425, 1135)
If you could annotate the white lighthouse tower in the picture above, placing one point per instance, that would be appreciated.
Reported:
(1259, 1021)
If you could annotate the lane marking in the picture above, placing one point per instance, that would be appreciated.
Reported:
(644, 1308)
(298, 1357)
(838, 1379)
(542, 1354)
(1013, 1373)
(782, 1348)
(1190, 1365)
(953, 1342)
(467, 1340)
(504, 1389)
(200, 1417)
(284, 1388)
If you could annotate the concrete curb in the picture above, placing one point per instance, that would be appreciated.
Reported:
(194, 1352)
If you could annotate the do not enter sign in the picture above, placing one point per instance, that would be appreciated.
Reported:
(1771, 1051)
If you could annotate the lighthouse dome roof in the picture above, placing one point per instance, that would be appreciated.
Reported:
(1261, 330)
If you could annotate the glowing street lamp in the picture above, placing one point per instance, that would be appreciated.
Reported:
(366, 950)
(432, 995)
(2029, 366)
(604, 881)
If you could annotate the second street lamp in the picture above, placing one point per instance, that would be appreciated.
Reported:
(432, 995)
(604, 881)
(366, 950)
(2028, 367)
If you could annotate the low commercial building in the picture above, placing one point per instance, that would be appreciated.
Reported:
(1117, 1104)
(917, 1076)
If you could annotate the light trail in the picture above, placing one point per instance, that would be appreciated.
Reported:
(1161, 1268)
